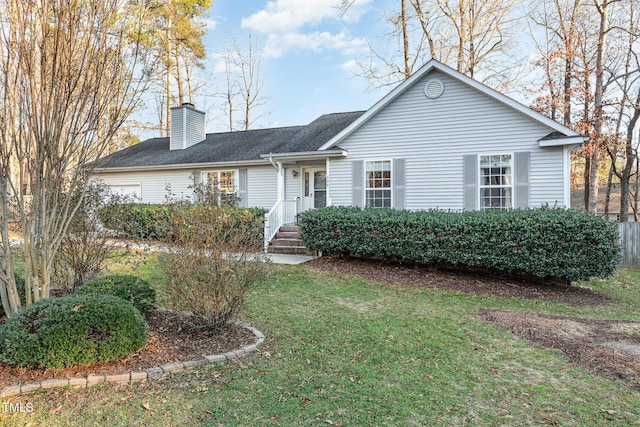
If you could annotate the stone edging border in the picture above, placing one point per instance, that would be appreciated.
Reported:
(155, 373)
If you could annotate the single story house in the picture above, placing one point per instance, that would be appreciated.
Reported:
(439, 140)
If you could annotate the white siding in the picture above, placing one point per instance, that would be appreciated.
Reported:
(261, 184)
(293, 185)
(433, 135)
(153, 185)
(262, 189)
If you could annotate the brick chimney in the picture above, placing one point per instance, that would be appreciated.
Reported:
(187, 127)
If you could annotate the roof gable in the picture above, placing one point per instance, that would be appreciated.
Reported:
(434, 65)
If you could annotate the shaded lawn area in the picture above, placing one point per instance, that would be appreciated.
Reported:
(342, 350)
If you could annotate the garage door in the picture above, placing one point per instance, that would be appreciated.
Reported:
(132, 190)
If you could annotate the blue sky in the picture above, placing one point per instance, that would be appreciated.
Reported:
(309, 50)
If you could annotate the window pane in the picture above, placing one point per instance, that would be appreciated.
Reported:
(306, 184)
(379, 198)
(378, 183)
(495, 181)
(212, 179)
(227, 181)
(319, 180)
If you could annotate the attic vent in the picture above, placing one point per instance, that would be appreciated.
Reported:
(433, 89)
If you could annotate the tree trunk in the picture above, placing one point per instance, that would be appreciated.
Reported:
(636, 186)
(630, 154)
(405, 39)
(607, 198)
(179, 81)
(598, 106)
(587, 181)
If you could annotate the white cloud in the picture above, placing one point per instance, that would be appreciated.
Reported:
(356, 10)
(350, 66)
(309, 25)
(278, 44)
(209, 24)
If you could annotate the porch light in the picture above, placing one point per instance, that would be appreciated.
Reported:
(294, 173)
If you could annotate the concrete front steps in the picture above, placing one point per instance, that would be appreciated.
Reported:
(287, 241)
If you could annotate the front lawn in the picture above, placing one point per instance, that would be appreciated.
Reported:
(342, 350)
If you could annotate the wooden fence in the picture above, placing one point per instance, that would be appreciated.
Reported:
(630, 240)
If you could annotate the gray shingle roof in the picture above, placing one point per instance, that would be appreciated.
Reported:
(236, 146)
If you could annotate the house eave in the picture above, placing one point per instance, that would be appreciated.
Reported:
(559, 142)
(305, 155)
(183, 166)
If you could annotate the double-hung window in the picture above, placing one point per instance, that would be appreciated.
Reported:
(496, 181)
(223, 185)
(378, 184)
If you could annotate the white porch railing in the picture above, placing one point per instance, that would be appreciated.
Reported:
(283, 212)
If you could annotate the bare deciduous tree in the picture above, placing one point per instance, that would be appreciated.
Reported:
(243, 90)
(69, 76)
(469, 35)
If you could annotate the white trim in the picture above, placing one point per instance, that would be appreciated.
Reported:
(435, 65)
(305, 155)
(365, 188)
(180, 166)
(310, 199)
(557, 142)
(512, 185)
(327, 163)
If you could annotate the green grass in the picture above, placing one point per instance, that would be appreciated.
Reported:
(344, 351)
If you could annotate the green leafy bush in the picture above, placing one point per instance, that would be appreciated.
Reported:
(130, 288)
(72, 330)
(545, 242)
(136, 220)
(147, 221)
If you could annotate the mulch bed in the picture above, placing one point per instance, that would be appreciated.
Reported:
(610, 348)
(171, 338)
(460, 280)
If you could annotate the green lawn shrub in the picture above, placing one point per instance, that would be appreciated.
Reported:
(128, 287)
(546, 242)
(152, 221)
(136, 220)
(77, 329)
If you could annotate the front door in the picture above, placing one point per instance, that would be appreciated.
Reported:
(314, 190)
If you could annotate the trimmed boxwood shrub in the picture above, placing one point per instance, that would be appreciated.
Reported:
(128, 287)
(546, 242)
(72, 330)
(136, 220)
(151, 221)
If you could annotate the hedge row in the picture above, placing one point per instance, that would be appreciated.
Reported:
(136, 220)
(152, 221)
(547, 242)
